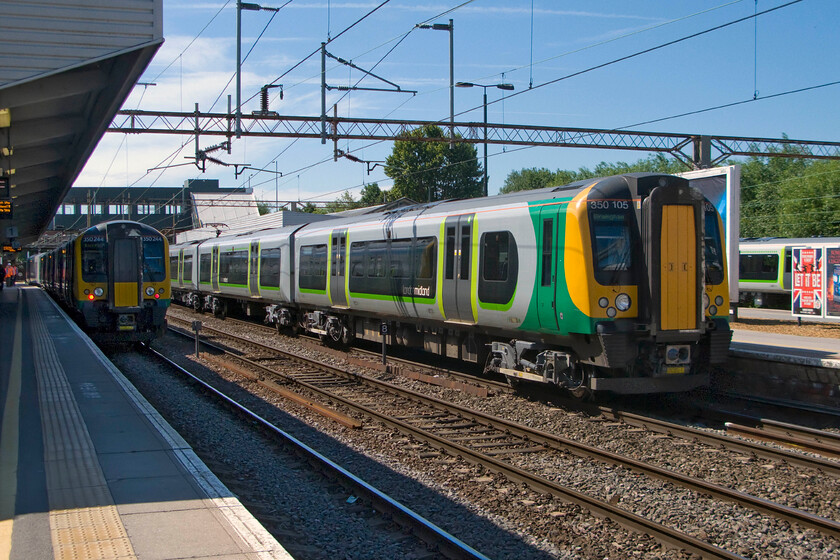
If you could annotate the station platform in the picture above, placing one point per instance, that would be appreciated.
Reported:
(88, 469)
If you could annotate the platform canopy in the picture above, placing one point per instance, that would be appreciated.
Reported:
(66, 67)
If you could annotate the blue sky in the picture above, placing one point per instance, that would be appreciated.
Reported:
(791, 48)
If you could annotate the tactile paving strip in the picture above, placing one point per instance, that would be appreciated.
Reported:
(92, 530)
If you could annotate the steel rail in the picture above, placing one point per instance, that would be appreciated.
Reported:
(787, 438)
(538, 483)
(803, 518)
(426, 530)
(750, 448)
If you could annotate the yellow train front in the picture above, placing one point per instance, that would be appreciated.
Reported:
(115, 277)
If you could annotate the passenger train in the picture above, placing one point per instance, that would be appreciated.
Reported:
(615, 284)
(114, 278)
(764, 275)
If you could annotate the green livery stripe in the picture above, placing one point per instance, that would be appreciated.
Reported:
(316, 292)
(379, 297)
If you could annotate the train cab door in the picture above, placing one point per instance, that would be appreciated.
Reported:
(338, 267)
(214, 268)
(254, 269)
(547, 267)
(457, 268)
(125, 260)
(674, 252)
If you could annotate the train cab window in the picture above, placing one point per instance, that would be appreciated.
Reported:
(188, 268)
(270, 267)
(94, 258)
(313, 267)
(612, 246)
(154, 267)
(498, 268)
(713, 248)
(204, 268)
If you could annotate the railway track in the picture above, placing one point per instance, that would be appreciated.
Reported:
(431, 534)
(374, 357)
(492, 442)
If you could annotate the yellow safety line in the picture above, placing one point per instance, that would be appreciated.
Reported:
(9, 443)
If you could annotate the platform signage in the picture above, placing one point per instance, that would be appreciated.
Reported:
(5, 199)
(832, 282)
(807, 270)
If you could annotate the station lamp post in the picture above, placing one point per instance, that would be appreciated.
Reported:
(451, 28)
(239, 7)
(506, 87)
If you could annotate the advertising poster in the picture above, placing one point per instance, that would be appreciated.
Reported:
(832, 292)
(807, 271)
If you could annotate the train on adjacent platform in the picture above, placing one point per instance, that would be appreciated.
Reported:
(615, 284)
(764, 275)
(113, 277)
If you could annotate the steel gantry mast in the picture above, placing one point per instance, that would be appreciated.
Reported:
(695, 150)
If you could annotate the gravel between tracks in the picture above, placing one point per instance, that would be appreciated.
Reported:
(571, 532)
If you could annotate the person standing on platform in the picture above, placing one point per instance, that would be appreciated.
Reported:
(11, 271)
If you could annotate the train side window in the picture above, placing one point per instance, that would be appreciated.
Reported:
(763, 266)
(357, 259)
(173, 268)
(233, 267)
(547, 249)
(270, 267)
(498, 268)
(188, 266)
(204, 268)
(465, 253)
(450, 253)
(313, 267)
(425, 257)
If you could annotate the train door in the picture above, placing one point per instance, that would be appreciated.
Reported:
(457, 268)
(547, 267)
(214, 268)
(673, 237)
(338, 260)
(253, 269)
(179, 271)
(125, 274)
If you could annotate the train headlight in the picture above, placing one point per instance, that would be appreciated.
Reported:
(611, 312)
(622, 302)
(90, 297)
(150, 291)
(157, 296)
(713, 310)
(718, 301)
(705, 301)
(603, 302)
(98, 292)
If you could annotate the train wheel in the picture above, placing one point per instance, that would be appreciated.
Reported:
(578, 385)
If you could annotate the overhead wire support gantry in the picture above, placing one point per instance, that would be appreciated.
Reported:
(695, 150)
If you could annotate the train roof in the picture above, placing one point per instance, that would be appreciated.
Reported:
(792, 241)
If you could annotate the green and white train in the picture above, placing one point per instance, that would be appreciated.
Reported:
(614, 284)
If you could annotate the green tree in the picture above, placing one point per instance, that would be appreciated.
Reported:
(424, 170)
(342, 203)
(262, 208)
(372, 195)
(534, 178)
